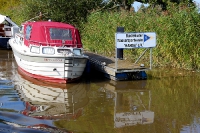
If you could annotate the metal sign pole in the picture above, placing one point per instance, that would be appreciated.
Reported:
(115, 54)
(150, 58)
(118, 52)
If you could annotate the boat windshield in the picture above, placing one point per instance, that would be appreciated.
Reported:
(5, 22)
(60, 34)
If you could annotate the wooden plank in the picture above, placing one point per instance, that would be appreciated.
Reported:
(107, 64)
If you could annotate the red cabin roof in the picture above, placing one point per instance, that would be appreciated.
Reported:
(50, 33)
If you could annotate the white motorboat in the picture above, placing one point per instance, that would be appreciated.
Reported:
(49, 51)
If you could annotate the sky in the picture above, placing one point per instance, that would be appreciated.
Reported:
(137, 5)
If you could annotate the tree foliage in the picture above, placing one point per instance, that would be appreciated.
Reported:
(8, 4)
(126, 4)
(11, 8)
(71, 11)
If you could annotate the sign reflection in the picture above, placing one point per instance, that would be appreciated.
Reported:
(132, 103)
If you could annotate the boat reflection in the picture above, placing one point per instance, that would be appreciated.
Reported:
(47, 101)
(132, 103)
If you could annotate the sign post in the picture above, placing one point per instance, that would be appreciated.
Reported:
(119, 53)
(129, 40)
(136, 40)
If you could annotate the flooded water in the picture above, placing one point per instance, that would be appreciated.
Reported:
(167, 102)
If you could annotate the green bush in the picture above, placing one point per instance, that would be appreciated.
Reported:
(177, 32)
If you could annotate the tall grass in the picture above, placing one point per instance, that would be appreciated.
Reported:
(177, 31)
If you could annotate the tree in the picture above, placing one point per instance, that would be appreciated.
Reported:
(10, 8)
(123, 4)
(72, 11)
(126, 4)
(8, 4)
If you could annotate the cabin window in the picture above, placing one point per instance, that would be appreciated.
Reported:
(64, 51)
(28, 32)
(48, 50)
(77, 51)
(35, 49)
(60, 34)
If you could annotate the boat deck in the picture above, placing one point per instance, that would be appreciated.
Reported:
(124, 69)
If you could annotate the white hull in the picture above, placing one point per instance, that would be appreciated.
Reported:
(59, 66)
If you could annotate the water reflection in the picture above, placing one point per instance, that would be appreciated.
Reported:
(132, 105)
(32, 106)
(12, 121)
(7, 65)
(167, 102)
(57, 101)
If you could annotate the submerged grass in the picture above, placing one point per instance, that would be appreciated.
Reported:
(177, 32)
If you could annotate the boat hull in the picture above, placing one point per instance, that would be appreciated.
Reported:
(4, 43)
(51, 68)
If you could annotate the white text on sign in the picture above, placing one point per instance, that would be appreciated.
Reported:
(135, 40)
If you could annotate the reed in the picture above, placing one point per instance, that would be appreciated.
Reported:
(177, 31)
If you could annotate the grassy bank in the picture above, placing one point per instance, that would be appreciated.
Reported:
(177, 31)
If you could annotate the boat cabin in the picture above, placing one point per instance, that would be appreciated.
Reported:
(48, 33)
(7, 27)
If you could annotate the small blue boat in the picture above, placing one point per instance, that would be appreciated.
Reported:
(4, 43)
(7, 30)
